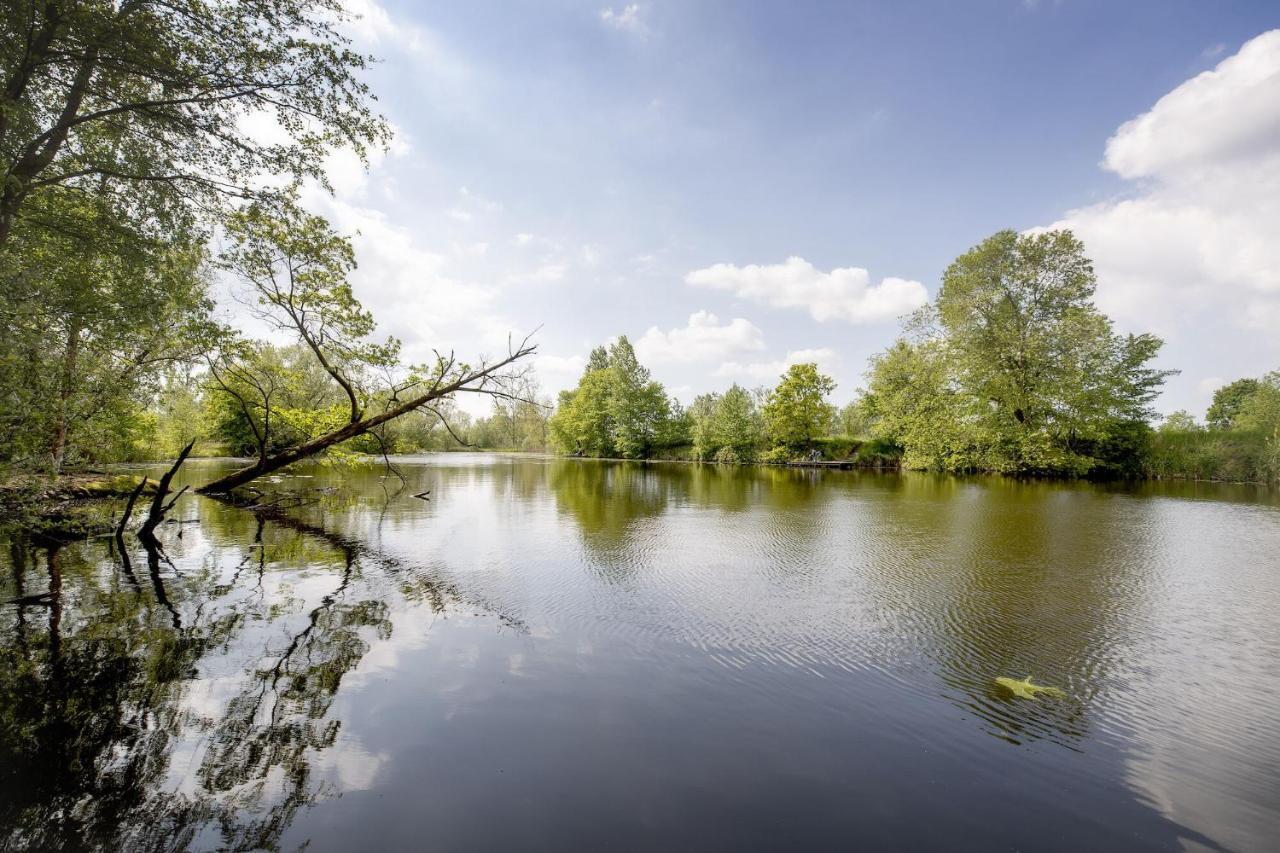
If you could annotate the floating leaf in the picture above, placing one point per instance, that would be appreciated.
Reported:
(1024, 689)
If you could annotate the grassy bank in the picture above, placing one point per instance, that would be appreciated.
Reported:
(1202, 454)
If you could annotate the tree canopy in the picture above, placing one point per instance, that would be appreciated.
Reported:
(1013, 368)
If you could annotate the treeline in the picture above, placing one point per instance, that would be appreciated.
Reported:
(1012, 369)
(618, 410)
(192, 405)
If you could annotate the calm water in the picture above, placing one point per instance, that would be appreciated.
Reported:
(576, 655)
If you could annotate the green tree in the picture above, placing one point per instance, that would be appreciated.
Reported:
(616, 410)
(1228, 401)
(1180, 421)
(797, 411)
(297, 268)
(1019, 372)
(92, 324)
(735, 426)
(638, 406)
(147, 100)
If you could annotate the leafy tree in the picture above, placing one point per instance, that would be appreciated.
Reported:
(854, 419)
(1228, 401)
(616, 410)
(155, 101)
(732, 428)
(582, 423)
(1013, 368)
(92, 323)
(297, 267)
(797, 412)
(1260, 411)
(1180, 421)
(638, 406)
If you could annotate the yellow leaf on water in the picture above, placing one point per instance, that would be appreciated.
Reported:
(1024, 689)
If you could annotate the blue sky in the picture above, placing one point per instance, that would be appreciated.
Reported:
(648, 169)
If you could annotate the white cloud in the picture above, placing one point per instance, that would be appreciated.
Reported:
(1197, 239)
(628, 18)
(703, 339)
(845, 293)
(770, 371)
(1213, 119)
(524, 238)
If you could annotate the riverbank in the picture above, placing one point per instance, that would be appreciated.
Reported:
(69, 506)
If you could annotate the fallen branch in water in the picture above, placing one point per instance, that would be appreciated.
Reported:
(158, 506)
(128, 508)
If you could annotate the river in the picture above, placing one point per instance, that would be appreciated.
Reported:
(563, 654)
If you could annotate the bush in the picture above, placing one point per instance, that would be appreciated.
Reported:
(1238, 455)
(879, 453)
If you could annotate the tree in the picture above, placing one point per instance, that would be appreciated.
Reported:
(797, 412)
(735, 427)
(1180, 421)
(1021, 372)
(616, 410)
(153, 102)
(95, 313)
(297, 268)
(914, 405)
(637, 405)
(1228, 401)
(1260, 411)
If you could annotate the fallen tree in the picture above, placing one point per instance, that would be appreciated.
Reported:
(296, 269)
(482, 379)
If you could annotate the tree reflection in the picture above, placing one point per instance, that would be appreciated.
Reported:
(95, 677)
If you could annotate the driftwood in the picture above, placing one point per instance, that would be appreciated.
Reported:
(147, 532)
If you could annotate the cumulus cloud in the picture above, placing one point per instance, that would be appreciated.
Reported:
(769, 371)
(628, 18)
(845, 293)
(704, 338)
(1198, 233)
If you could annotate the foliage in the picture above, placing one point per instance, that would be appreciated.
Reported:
(796, 411)
(92, 325)
(616, 410)
(1013, 369)
(1243, 443)
(127, 132)
(155, 104)
(1228, 401)
(726, 427)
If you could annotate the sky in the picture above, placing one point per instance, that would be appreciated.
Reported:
(737, 186)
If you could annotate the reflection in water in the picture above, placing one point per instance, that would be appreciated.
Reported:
(93, 701)
(564, 653)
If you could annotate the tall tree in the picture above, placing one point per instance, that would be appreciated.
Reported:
(797, 411)
(94, 314)
(616, 410)
(1017, 370)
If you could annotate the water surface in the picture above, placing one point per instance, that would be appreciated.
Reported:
(569, 654)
